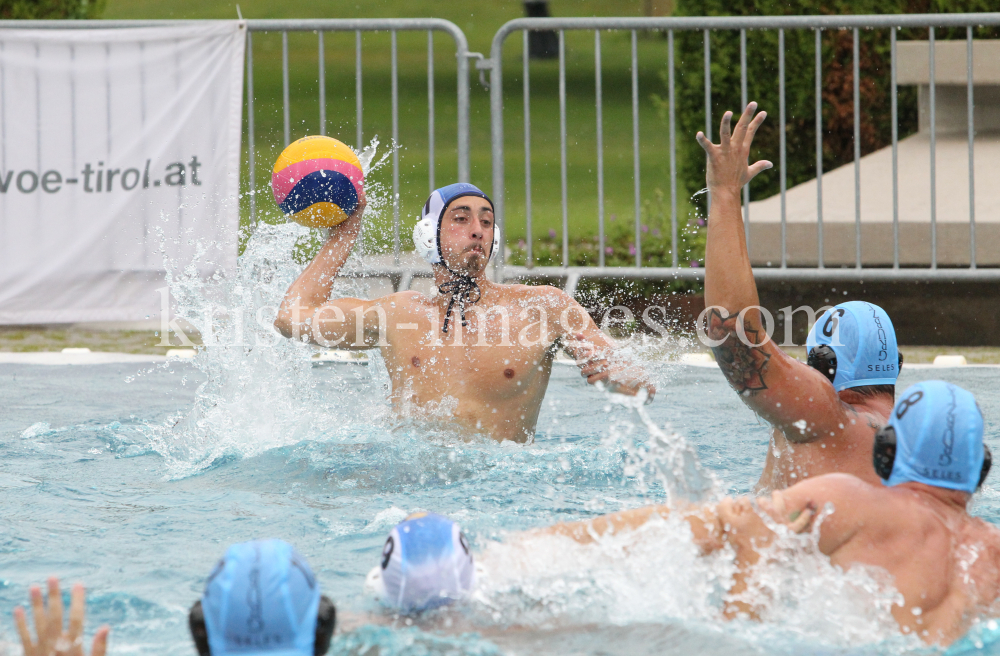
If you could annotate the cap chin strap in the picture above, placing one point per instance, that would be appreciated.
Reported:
(464, 291)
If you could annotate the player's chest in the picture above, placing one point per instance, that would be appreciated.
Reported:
(495, 367)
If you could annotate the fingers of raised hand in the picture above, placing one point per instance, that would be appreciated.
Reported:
(21, 621)
(598, 378)
(362, 202)
(55, 621)
(725, 129)
(752, 127)
(704, 142)
(756, 168)
(39, 613)
(739, 134)
(100, 642)
(77, 609)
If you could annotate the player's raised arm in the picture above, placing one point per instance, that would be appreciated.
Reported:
(782, 390)
(308, 314)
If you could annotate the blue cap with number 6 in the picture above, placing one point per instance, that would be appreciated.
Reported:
(863, 342)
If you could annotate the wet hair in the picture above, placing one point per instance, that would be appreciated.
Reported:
(872, 391)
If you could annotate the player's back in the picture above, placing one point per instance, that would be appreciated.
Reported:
(945, 563)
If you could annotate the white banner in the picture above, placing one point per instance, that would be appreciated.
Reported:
(115, 144)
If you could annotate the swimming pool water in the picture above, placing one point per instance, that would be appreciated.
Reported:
(120, 485)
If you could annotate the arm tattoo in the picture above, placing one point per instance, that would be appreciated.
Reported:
(743, 365)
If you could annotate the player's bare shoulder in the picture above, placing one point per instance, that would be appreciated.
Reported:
(833, 487)
(842, 494)
(543, 296)
(406, 301)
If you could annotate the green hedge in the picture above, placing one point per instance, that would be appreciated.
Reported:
(762, 83)
(51, 9)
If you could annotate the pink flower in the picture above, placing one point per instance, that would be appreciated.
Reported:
(552, 233)
(695, 264)
(609, 250)
(521, 244)
(656, 232)
(645, 228)
(631, 248)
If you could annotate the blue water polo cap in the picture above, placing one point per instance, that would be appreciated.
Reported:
(427, 232)
(426, 562)
(864, 341)
(262, 598)
(939, 437)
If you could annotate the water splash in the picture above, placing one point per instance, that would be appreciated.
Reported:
(652, 574)
(662, 456)
(655, 574)
(259, 392)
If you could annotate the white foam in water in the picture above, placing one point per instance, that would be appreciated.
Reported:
(656, 574)
(652, 574)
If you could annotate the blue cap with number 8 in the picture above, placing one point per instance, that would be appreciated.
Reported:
(937, 430)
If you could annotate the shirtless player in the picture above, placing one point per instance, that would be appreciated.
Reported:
(913, 524)
(481, 352)
(825, 413)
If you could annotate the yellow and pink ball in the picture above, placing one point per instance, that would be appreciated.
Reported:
(318, 181)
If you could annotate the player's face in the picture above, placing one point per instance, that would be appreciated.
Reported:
(467, 234)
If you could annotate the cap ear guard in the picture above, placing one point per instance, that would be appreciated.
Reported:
(326, 623)
(823, 359)
(884, 452)
(987, 463)
(199, 632)
(884, 455)
(425, 239)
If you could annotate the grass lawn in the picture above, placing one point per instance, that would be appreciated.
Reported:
(479, 25)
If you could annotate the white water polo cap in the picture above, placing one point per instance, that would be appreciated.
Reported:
(427, 232)
(426, 563)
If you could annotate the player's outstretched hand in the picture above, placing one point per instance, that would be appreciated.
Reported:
(728, 162)
(599, 366)
(53, 639)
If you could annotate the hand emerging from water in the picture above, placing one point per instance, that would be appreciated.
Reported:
(728, 163)
(620, 378)
(53, 640)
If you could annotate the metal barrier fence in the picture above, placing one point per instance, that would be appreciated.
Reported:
(707, 25)
(402, 274)
(358, 26)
